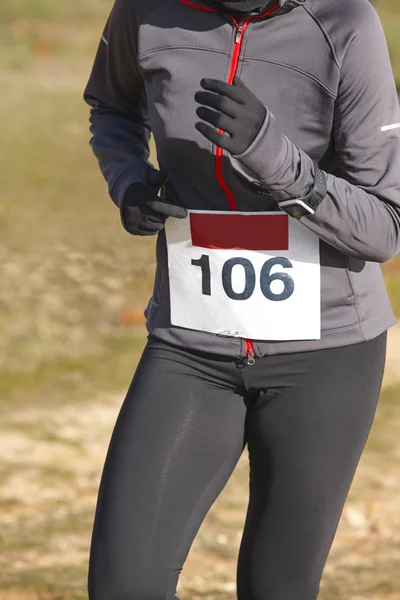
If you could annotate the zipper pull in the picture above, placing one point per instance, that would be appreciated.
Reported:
(251, 359)
(239, 32)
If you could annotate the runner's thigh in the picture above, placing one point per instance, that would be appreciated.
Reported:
(177, 439)
(305, 439)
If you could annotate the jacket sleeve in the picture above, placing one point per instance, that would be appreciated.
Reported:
(119, 114)
(361, 214)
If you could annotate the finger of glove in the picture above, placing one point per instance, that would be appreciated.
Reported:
(240, 84)
(137, 215)
(219, 120)
(221, 103)
(152, 216)
(245, 93)
(155, 223)
(144, 223)
(211, 134)
(166, 209)
(223, 88)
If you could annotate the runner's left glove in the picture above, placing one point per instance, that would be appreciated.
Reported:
(144, 213)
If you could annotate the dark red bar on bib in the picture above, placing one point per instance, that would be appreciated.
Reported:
(240, 232)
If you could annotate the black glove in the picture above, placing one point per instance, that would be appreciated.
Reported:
(251, 134)
(237, 111)
(144, 213)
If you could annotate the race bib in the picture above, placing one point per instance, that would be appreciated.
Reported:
(248, 275)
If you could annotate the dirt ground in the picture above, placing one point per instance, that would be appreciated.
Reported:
(51, 463)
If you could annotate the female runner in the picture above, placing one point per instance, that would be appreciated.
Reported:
(277, 132)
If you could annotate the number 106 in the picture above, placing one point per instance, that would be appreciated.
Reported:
(266, 279)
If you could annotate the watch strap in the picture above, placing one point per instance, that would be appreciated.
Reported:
(306, 206)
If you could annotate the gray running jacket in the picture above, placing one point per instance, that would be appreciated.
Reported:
(322, 68)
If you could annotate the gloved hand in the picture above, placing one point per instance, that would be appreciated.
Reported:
(242, 117)
(143, 212)
(238, 112)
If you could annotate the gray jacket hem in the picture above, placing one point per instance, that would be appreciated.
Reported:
(234, 347)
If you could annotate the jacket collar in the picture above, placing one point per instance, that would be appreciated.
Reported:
(285, 5)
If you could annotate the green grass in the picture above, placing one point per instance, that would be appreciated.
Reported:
(65, 380)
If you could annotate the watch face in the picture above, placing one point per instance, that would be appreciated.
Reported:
(296, 211)
(300, 212)
(296, 208)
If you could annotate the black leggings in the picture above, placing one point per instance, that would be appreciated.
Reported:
(181, 431)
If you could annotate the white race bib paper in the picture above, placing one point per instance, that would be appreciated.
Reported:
(248, 275)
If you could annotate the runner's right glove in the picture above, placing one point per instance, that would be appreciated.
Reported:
(145, 213)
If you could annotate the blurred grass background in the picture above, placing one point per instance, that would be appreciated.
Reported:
(73, 286)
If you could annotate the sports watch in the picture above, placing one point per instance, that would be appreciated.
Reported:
(306, 206)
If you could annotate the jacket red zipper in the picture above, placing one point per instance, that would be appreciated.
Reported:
(241, 27)
(249, 352)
